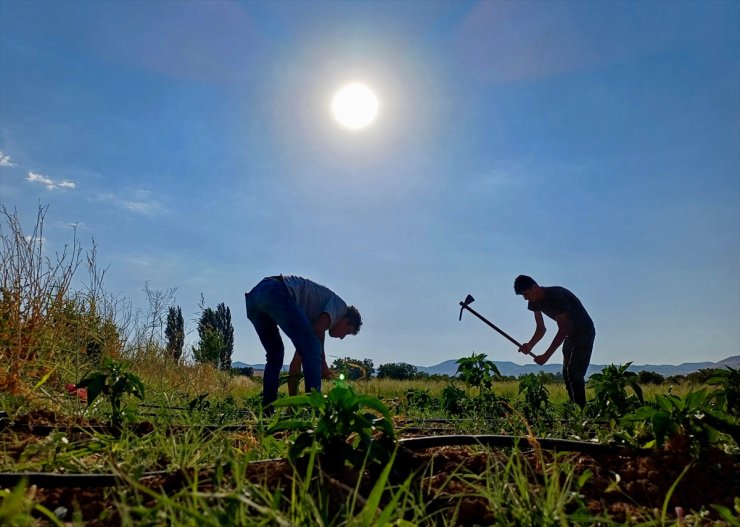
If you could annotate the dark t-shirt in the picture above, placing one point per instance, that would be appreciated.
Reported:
(559, 300)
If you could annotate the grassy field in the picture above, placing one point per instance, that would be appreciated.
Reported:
(184, 444)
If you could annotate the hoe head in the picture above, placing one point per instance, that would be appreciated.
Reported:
(468, 300)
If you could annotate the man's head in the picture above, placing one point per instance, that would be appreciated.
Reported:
(349, 324)
(526, 286)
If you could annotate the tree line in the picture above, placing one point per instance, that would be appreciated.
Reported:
(215, 336)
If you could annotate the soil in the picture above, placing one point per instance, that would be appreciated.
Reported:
(621, 487)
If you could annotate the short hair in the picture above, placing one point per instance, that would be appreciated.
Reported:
(523, 283)
(354, 319)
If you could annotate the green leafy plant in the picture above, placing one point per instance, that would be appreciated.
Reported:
(419, 399)
(454, 400)
(536, 396)
(113, 381)
(338, 427)
(611, 399)
(489, 405)
(728, 393)
(477, 371)
(689, 419)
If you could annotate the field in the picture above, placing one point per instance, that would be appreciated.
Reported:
(215, 462)
(100, 426)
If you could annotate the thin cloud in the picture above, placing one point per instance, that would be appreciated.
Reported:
(5, 160)
(49, 182)
(139, 203)
(140, 206)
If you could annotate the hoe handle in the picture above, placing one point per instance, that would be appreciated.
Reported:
(501, 331)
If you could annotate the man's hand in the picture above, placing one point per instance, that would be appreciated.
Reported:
(526, 348)
(541, 359)
(326, 373)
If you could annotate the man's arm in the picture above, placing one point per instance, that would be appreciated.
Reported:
(320, 327)
(539, 332)
(563, 324)
(293, 372)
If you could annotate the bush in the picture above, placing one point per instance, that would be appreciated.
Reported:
(650, 377)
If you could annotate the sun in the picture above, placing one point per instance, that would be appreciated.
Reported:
(355, 106)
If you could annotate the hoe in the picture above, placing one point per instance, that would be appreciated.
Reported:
(465, 304)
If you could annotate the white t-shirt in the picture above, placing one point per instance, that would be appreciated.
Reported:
(315, 299)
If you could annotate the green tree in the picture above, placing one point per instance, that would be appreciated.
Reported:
(397, 370)
(702, 376)
(226, 331)
(175, 333)
(650, 377)
(216, 338)
(353, 369)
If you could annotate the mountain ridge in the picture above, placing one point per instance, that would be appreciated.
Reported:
(508, 368)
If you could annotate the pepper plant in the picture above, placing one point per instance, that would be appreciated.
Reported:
(536, 395)
(689, 420)
(454, 400)
(338, 427)
(477, 371)
(611, 399)
(728, 393)
(113, 381)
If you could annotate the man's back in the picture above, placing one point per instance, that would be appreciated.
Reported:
(559, 300)
(315, 299)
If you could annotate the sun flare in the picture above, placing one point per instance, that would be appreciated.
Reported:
(355, 106)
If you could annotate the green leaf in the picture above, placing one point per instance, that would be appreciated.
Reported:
(44, 379)
(727, 515)
(95, 384)
(662, 426)
(293, 424)
(374, 404)
(367, 515)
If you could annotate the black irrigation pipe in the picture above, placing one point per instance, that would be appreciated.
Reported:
(507, 441)
(54, 480)
(491, 419)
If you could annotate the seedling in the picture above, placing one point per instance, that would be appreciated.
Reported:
(115, 382)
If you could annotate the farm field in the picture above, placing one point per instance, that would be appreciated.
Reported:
(182, 459)
(100, 425)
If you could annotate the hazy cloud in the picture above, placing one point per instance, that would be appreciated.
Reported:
(5, 160)
(138, 201)
(49, 182)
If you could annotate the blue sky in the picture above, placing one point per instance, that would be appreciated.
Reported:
(593, 145)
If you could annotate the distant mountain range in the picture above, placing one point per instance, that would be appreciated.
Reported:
(449, 367)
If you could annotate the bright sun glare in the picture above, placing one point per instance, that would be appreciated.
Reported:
(355, 106)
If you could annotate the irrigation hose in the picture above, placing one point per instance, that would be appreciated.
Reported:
(507, 441)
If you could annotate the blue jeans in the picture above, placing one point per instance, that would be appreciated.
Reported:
(269, 306)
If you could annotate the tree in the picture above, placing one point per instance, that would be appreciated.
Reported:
(216, 337)
(702, 376)
(247, 371)
(353, 369)
(650, 377)
(175, 333)
(226, 330)
(397, 370)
